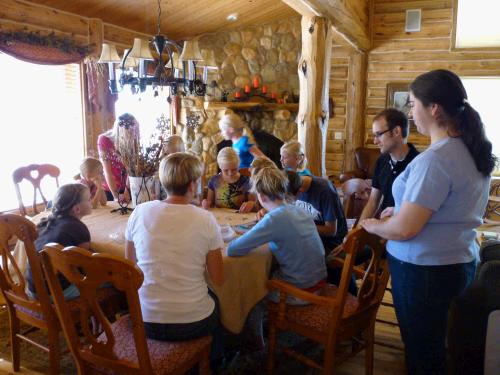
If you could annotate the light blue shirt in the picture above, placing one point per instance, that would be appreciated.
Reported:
(445, 180)
(294, 241)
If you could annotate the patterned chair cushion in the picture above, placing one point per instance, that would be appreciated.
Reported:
(165, 356)
(317, 317)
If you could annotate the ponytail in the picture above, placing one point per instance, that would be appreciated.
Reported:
(67, 196)
(471, 130)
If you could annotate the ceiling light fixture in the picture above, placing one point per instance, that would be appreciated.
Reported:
(134, 70)
(232, 17)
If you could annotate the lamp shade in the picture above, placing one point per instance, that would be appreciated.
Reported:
(191, 52)
(130, 62)
(177, 61)
(140, 49)
(208, 59)
(109, 54)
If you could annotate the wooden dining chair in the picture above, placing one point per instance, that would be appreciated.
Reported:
(355, 196)
(34, 173)
(122, 348)
(334, 315)
(38, 313)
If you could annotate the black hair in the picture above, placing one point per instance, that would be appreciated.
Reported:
(294, 182)
(67, 196)
(394, 117)
(445, 88)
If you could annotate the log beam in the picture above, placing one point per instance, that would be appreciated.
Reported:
(347, 19)
(314, 77)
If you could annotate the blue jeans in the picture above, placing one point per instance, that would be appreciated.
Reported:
(422, 297)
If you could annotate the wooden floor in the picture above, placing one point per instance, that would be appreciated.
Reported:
(387, 359)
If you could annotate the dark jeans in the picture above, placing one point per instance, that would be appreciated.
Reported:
(422, 297)
(188, 331)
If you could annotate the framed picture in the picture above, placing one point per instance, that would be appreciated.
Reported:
(397, 96)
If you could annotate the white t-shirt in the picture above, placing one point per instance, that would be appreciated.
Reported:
(171, 244)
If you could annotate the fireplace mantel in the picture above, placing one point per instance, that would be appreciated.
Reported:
(251, 106)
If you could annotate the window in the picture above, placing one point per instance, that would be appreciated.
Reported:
(483, 96)
(42, 122)
(476, 23)
(146, 108)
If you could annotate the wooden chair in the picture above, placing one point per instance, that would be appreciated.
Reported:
(356, 193)
(122, 348)
(34, 173)
(334, 315)
(38, 313)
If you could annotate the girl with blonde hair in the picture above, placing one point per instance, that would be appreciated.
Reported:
(229, 188)
(91, 175)
(293, 158)
(235, 129)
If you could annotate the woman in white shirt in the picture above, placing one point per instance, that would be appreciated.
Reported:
(174, 242)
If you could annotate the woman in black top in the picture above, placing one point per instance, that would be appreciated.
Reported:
(64, 226)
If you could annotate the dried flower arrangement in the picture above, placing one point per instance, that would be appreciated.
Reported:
(144, 160)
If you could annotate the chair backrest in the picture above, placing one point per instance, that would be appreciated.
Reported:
(356, 193)
(490, 250)
(34, 173)
(88, 271)
(376, 274)
(366, 159)
(12, 280)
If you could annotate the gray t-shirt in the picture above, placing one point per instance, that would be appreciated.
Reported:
(444, 179)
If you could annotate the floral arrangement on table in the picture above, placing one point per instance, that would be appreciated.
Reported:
(143, 160)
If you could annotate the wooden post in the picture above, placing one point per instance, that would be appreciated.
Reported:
(356, 94)
(314, 77)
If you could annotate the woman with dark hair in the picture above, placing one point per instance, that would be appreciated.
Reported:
(440, 199)
(64, 226)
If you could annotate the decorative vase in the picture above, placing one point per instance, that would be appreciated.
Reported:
(144, 189)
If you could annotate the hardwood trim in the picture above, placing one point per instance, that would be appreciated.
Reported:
(251, 106)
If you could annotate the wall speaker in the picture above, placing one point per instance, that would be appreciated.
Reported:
(413, 19)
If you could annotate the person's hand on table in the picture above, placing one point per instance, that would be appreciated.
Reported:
(246, 207)
(205, 204)
(260, 214)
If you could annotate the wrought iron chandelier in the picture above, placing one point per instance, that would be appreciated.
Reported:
(178, 71)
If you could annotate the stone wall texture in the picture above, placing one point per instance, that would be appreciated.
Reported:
(269, 52)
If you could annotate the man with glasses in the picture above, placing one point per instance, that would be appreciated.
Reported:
(390, 132)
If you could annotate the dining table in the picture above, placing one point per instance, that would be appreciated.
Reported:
(245, 277)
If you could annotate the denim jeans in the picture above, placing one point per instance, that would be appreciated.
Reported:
(422, 297)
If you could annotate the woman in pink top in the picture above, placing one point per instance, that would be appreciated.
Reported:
(115, 184)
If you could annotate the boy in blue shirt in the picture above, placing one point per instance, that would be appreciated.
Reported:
(290, 232)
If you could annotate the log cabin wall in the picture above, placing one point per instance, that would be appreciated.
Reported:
(18, 15)
(398, 56)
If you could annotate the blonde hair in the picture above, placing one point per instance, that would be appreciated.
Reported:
(271, 182)
(124, 125)
(295, 148)
(173, 144)
(261, 162)
(235, 122)
(228, 156)
(90, 166)
(178, 170)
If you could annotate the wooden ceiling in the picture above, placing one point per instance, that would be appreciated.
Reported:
(181, 19)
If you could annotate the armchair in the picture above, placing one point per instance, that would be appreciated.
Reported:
(366, 159)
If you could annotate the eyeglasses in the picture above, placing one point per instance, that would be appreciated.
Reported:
(379, 134)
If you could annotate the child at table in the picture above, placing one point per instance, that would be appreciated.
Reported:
(64, 226)
(174, 242)
(293, 158)
(290, 232)
(233, 128)
(229, 188)
(91, 175)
